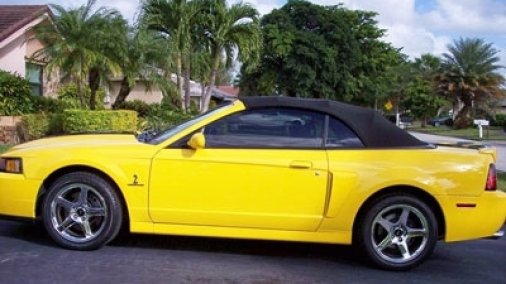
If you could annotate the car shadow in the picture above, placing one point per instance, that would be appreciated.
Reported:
(341, 253)
(35, 233)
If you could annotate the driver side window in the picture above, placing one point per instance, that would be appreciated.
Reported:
(267, 128)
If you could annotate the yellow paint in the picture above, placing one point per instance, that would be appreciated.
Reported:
(278, 194)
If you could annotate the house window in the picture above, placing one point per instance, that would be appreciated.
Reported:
(34, 76)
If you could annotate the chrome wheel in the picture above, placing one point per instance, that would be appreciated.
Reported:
(78, 213)
(399, 233)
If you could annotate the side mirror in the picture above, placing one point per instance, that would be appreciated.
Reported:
(197, 141)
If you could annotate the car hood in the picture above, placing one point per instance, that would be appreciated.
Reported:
(79, 141)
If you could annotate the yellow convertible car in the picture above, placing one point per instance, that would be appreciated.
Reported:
(272, 168)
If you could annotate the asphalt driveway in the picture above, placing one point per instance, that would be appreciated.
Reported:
(27, 255)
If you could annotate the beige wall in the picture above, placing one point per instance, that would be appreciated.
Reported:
(139, 92)
(12, 55)
(18, 48)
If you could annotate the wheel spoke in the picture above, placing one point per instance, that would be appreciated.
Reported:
(66, 224)
(85, 225)
(403, 219)
(387, 225)
(386, 242)
(404, 249)
(95, 211)
(413, 233)
(83, 195)
(64, 202)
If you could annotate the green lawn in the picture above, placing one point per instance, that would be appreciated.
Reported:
(4, 147)
(489, 133)
(501, 181)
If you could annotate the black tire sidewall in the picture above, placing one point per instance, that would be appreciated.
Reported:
(113, 218)
(366, 231)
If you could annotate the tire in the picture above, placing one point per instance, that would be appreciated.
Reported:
(82, 211)
(398, 232)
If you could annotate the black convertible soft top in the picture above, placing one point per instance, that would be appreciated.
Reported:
(373, 129)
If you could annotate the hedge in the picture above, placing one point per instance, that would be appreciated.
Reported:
(34, 126)
(102, 121)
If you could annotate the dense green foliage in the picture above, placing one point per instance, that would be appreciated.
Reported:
(34, 126)
(15, 94)
(414, 87)
(69, 96)
(85, 121)
(49, 105)
(157, 116)
(322, 52)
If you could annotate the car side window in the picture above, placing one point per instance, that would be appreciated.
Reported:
(341, 136)
(267, 128)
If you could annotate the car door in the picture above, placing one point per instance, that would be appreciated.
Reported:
(262, 168)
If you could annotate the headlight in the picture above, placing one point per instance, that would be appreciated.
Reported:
(11, 165)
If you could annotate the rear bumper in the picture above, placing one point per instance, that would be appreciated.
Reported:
(18, 195)
(473, 217)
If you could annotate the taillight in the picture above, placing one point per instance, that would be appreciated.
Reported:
(491, 178)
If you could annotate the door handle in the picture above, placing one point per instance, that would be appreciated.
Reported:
(301, 164)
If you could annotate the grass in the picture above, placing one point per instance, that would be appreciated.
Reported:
(501, 181)
(489, 133)
(4, 147)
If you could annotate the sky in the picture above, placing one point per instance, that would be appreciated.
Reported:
(416, 26)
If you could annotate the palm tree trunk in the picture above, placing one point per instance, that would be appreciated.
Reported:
(212, 78)
(94, 82)
(187, 94)
(124, 91)
(80, 91)
(179, 80)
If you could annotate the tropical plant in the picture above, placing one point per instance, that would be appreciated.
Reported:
(229, 30)
(81, 43)
(145, 58)
(470, 75)
(172, 18)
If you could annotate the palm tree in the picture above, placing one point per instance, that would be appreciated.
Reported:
(427, 66)
(172, 18)
(470, 74)
(229, 30)
(143, 59)
(78, 41)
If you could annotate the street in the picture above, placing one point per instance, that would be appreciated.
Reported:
(27, 255)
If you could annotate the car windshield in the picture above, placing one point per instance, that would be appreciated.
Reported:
(164, 135)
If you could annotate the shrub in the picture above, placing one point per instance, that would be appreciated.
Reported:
(142, 108)
(48, 105)
(15, 94)
(85, 121)
(33, 126)
(69, 95)
(163, 116)
(500, 119)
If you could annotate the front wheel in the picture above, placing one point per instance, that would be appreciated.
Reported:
(398, 232)
(82, 211)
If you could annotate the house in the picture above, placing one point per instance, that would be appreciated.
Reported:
(17, 45)
(225, 92)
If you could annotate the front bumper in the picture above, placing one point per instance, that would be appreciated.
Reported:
(18, 195)
(482, 216)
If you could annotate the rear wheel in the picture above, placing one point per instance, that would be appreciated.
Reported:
(82, 211)
(398, 232)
